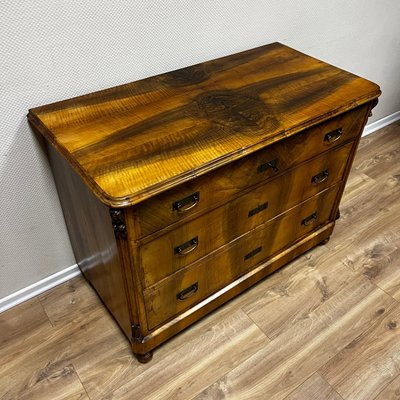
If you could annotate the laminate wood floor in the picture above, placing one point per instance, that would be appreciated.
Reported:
(327, 326)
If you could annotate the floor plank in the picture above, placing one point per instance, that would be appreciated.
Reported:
(318, 279)
(54, 382)
(391, 391)
(52, 348)
(70, 302)
(379, 152)
(22, 320)
(374, 356)
(314, 388)
(282, 365)
(197, 363)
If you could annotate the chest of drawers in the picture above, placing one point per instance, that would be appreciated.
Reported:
(182, 190)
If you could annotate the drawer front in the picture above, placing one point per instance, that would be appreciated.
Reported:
(217, 187)
(202, 235)
(202, 278)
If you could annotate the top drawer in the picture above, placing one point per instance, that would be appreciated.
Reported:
(217, 187)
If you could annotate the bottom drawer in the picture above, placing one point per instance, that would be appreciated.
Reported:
(209, 274)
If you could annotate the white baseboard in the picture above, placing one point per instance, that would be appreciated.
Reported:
(38, 287)
(381, 123)
(53, 280)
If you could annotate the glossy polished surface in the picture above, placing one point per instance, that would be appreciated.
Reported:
(241, 215)
(220, 268)
(228, 171)
(137, 140)
(217, 187)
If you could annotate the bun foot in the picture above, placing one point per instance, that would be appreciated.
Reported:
(325, 241)
(144, 358)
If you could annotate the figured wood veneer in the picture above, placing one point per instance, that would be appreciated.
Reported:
(226, 182)
(131, 142)
(231, 220)
(220, 268)
(182, 190)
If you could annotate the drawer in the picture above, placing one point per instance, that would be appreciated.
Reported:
(217, 187)
(202, 235)
(202, 278)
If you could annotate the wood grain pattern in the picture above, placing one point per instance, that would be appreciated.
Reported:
(226, 223)
(92, 237)
(308, 286)
(82, 334)
(103, 373)
(234, 339)
(193, 314)
(69, 303)
(229, 262)
(380, 345)
(314, 388)
(280, 367)
(218, 187)
(38, 362)
(133, 141)
(57, 382)
(391, 391)
(30, 314)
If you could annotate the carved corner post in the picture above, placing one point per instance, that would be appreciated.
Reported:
(118, 223)
(126, 232)
(119, 220)
(374, 103)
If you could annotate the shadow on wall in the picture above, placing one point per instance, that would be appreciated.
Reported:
(34, 241)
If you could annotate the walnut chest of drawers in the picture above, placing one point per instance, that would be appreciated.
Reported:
(182, 190)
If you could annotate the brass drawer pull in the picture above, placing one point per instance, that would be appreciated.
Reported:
(322, 176)
(252, 253)
(187, 247)
(309, 220)
(270, 164)
(333, 136)
(258, 209)
(187, 203)
(188, 292)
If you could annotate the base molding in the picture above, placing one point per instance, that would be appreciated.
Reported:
(381, 123)
(39, 287)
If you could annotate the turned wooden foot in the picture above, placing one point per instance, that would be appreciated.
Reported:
(144, 358)
(325, 241)
(337, 214)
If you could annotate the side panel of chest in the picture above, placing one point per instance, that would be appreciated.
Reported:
(97, 250)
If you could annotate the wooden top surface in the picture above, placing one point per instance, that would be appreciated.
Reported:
(136, 140)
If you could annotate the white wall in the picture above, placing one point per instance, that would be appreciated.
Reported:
(52, 50)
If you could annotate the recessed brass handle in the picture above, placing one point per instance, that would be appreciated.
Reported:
(334, 136)
(188, 292)
(187, 247)
(321, 177)
(187, 203)
(268, 165)
(309, 220)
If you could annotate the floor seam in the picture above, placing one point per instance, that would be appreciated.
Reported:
(80, 380)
